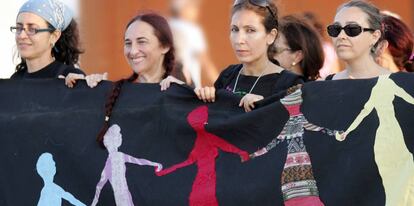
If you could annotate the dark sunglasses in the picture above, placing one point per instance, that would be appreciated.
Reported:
(259, 3)
(351, 30)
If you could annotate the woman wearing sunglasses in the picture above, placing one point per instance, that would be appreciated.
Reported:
(253, 28)
(47, 40)
(298, 48)
(356, 33)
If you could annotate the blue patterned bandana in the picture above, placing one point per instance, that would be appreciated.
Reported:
(53, 11)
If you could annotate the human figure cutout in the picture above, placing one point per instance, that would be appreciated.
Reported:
(52, 194)
(391, 154)
(298, 184)
(114, 170)
(204, 154)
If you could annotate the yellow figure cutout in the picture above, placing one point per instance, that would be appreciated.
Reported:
(395, 162)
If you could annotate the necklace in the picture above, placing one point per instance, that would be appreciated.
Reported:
(251, 89)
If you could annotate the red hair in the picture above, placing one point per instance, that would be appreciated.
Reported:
(400, 42)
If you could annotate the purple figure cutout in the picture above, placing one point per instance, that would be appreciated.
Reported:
(114, 170)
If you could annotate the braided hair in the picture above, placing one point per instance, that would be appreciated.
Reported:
(163, 32)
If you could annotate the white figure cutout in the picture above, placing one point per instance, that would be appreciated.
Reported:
(395, 162)
(114, 170)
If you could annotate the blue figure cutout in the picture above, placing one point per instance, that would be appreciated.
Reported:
(52, 194)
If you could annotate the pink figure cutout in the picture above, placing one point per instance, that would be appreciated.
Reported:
(204, 154)
(114, 170)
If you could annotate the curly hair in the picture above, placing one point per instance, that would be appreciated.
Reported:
(66, 50)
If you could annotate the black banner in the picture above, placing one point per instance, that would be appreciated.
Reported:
(50, 156)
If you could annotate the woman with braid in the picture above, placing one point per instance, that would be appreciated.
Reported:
(149, 50)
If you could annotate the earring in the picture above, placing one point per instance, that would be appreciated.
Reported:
(373, 49)
(54, 48)
(293, 63)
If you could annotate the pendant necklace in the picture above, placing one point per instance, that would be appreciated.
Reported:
(251, 89)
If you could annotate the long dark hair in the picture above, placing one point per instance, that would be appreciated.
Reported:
(66, 50)
(163, 32)
(301, 36)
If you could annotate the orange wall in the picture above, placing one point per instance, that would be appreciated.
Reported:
(103, 23)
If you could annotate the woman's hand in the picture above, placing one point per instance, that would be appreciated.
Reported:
(207, 94)
(166, 83)
(244, 157)
(93, 79)
(248, 101)
(158, 167)
(340, 136)
(70, 79)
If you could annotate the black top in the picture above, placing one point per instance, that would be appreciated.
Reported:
(266, 86)
(330, 77)
(53, 70)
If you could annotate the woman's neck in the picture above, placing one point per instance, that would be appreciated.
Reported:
(153, 75)
(297, 70)
(34, 65)
(256, 68)
(364, 68)
(386, 60)
(147, 78)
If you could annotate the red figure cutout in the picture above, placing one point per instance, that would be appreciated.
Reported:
(204, 154)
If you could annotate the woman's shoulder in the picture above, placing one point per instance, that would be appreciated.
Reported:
(65, 69)
(227, 75)
(289, 76)
(231, 69)
(18, 74)
(329, 77)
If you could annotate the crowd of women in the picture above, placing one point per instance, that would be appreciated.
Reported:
(274, 53)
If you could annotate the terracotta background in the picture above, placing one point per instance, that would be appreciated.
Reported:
(103, 24)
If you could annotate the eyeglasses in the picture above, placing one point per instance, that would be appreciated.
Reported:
(278, 50)
(259, 3)
(29, 31)
(352, 30)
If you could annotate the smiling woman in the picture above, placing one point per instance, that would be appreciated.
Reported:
(149, 50)
(47, 40)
